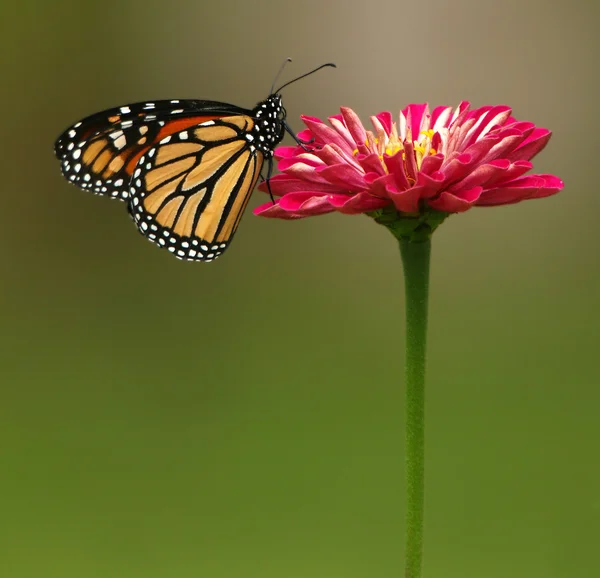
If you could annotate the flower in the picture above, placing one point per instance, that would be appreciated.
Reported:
(447, 161)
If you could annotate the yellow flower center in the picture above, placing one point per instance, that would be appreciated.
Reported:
(391, 144)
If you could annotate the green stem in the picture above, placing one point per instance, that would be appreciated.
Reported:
(415, 260)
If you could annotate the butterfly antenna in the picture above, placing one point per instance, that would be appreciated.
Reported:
(279, 73)
(304, 75)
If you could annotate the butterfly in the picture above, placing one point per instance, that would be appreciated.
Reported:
(185, 168)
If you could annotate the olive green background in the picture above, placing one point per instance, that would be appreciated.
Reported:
(164, 419)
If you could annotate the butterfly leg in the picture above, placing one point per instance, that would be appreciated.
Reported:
(268, 179)
(301, 143)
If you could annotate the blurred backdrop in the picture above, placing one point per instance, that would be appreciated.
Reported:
(245, 418)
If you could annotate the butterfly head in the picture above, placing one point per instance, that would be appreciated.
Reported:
(269, 129)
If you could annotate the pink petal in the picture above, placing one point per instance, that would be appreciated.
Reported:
(406, 201)
(355, 127)
(395, 166)
(415, 117)
(528, 187)
(358, 203)
(282, 184)
(536, 141)
(306, 159)
(274, 211)
(340, 127)
(488, 175)
(324, 134)
(450, 203)
(371, 164)
(386, 120)
(440, 117)
(432, 163)
(307, 203)
(344, 176)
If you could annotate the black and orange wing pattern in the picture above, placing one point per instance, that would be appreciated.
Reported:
(100, 152)
(189, 191)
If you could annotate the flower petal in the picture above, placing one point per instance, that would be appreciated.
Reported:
(355, 127)
(344, 176)
(528, 187)
(450, 203)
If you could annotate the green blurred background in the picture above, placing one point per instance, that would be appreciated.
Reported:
(164, 419)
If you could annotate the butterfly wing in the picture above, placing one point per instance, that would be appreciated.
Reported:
(100, 152)
(189, 191)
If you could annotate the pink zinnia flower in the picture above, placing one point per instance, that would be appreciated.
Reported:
(448, 161)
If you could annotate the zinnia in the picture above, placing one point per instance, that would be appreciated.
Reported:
(447, 161)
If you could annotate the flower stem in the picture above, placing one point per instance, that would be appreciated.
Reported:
(415, 260)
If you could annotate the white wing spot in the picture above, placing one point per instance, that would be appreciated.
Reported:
(126, 123)
(177, 111)
(77, 167)
(118, 183)
(165, 140)
(72, 133)
(120, 142)
(76, 153)
(183, 135)
(125, 109)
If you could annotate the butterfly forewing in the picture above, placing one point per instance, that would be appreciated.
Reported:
(188, 192)
(100, 152)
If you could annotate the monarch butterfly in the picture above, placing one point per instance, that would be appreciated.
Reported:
(186, 168)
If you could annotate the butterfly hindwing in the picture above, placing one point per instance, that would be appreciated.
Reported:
(189, 190)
